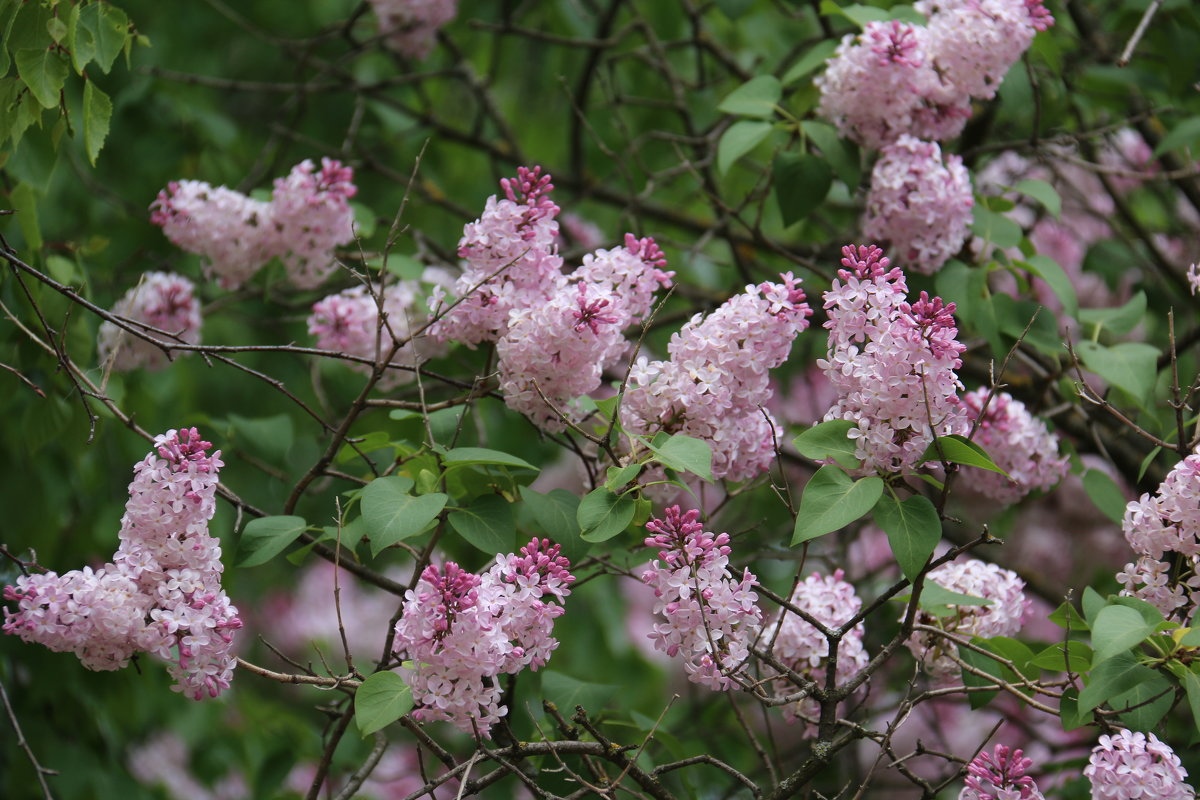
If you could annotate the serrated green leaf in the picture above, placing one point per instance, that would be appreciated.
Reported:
(741, 138)
(392, 514)
(97, 112)
(602, 514)
(266, 537)
(814, 58)
(959, 450)
(1130, 366)
(801, 184)
(1043, 192)
(830, 440)
(44, 72)
(1117, 629)
(97, 33)
(756, 97)
(913, 529)
(487, 523)
(382, 699)
(481, 455)
(684, 454)
(832, 500)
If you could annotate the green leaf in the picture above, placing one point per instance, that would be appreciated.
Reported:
(25, 202)
(832, 500)
(684, 454)
(1183, 134)
(1093, 601)
(268, 438)
(734, 8)
(841, 154)
(801, 183)
(913, 529)
(1118, 320)
(1068, 711)
(829, 440)
(937, 598)
(985, 664)
(1117, 629)
(741, 138)
(266, 537)
(756, 97)
(487, 523)
(1148, 701)
(97, 32)
(1111, 678)
(1130, 366)
(1043, 192)
(1065, 616)
(1016, 652)
(602, 514)
(815, 58)
(44, 72)
(97, 111)
(959, 450)
(555, 513)
(375, 440)
(617, 477)
(994, 227)
(1191, 684)
(860, 15)
(1064, 656)
(566, 692)
(382, 699)
(481, 455)
(392, 514)
(1049, 271)
(1105, 493)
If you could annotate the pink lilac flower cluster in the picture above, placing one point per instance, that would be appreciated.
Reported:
(410, 26)
(460, 631)
(1193, 276)
(1017, 441)
(162, 300)
(710, 617)
(919, 205)
(1002, 617)
(893, 363)
(1000, 775)
(162, 592)
(348, 322)
(896, 77)
(805, 650)
(1167, 522)
(309, 215)
(717, 380)
(163, 761)
(555, 334)
(1132, 765)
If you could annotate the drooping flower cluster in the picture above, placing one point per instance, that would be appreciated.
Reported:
(460, 631)
(1131, 765)
(1018, 442)
(805, 650)
(919, 205)
(893, 363)
(896, 78)
(1000, 776)
(717, 379)
(309, 215)
(1001, 617)
(555, 334)
(1167, 522)
(162, 592)
(348, 322)
(710, 617)
(162, 300)
(410, 26)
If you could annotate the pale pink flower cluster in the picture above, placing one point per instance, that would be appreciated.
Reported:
(897, 78)
(1000, 776)
(717, 380)
(893, 363)
(805, 650)
(410, 26)
(348, 322)
(1167, 522)
(710, 618)
(163, 761)
(1132, 766)
(460, 631)
(309, 215)
(161, 300)
(1193, 276)
(162, 592)
(919, 205)
(1018, 442)
(1003, 617)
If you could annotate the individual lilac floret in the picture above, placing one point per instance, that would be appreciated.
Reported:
(1001, 617)
(348, 322)
(919, 205)
(312, 216)
(1017, 441)
(717, 379)
(805, 650)
(162, 300)
(410, 26)
(460, 631)
(1132, 766)
(1000, 776)
(233, 235)
(711, 618)
(1167, 522)
(892, 363)
(162, 593)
